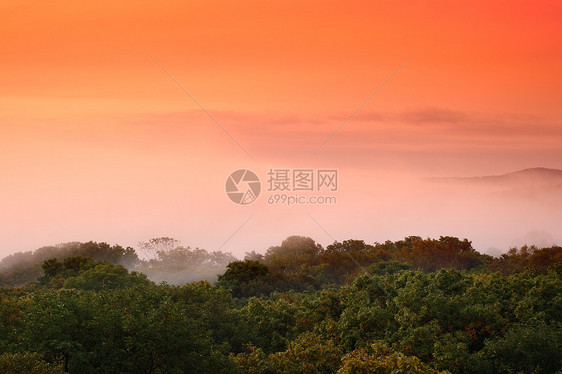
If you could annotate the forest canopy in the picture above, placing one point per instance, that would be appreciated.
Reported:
(410, 306)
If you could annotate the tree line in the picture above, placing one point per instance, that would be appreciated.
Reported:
(411, 306)
(165, 261)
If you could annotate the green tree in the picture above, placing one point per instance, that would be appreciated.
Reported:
(293, 253)
(308, 353)
(533, 348)
(105, 276)
(239, 273)
(381, 359)
(69, 267)
(29, 363)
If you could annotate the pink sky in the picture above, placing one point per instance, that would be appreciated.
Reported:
(98, 143)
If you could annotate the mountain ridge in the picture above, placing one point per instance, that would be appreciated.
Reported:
(538, 176)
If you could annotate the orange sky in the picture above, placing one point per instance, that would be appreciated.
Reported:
(98, 143)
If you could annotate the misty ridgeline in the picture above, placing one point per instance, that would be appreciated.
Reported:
(297, 263)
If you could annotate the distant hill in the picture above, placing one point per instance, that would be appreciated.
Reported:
(533, 177)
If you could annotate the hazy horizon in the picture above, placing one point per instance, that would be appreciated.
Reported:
(496, 218)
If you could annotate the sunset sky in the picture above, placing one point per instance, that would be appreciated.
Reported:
(98, 141)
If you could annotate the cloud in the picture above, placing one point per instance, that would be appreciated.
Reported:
(434, 115)
(424, 138)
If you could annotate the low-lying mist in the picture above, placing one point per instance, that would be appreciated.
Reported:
(495, 213)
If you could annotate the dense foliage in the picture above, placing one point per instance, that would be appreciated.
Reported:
(414, 306)
(166, 261)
